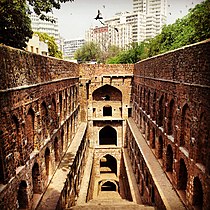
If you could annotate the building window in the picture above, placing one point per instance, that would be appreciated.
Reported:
(107, 111)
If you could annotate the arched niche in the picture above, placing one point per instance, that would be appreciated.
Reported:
(107, 93)
(108, 136)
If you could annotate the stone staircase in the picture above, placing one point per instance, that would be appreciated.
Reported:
(110, 201)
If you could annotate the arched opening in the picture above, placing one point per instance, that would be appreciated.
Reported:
(182, 179)
(45, 119)
(61, 104)
(22, 196)
(56, 149)
(169, 159)
(107, 111)
(107, 93)
(154, 107)
(171, 118)
(108, 186)
(160, 148)
(108, 164)
(29, 126)
(47, 161)
(17, 142)
(36, 179)
(148, 102)
(161, 112)
(153, 139)
(54, 114)
(203, 139)
(62, 139)
(108, 136)
(197, 200)
(185, 126)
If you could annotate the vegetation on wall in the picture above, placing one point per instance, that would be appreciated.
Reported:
(15, 24)
(192, 28)
(52, 46)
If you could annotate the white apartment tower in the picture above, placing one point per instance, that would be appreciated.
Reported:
(156, 13)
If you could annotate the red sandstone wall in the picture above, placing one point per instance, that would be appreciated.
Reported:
(171, 107)
(21, 68)
(92, 70)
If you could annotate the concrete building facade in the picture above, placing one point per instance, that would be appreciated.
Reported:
(81, 136)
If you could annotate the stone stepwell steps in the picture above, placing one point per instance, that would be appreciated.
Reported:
(111, 201)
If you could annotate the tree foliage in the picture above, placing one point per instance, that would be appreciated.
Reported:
(192, 28)
(52, 46)
(15, 25)
(88, 52)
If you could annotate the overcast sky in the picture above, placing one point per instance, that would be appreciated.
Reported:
(74, 18)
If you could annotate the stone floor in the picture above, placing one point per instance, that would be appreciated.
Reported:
(110, 201)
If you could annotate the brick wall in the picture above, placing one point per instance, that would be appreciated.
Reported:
(171, 106)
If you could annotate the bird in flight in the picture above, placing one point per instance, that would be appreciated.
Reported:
(116, 29)
(98, 17)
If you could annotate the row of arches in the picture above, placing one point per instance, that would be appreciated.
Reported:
(178, 122)
(32, 131)
(180, 172)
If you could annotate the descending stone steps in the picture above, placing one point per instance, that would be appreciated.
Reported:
(110, 201)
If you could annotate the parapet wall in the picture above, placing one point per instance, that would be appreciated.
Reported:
(92, 70)
(190, 64)
(21, 68)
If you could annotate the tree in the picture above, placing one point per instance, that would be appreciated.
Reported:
(52, 46)
(88, 52)
(15, 25)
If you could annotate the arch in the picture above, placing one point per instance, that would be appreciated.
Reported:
(108, 136)
(171, 117)
(29, 127)
(154, 106)
(107, 110)
(61, 104)
(22, 195)
(44, 117)
(160, 148)
(202, 143)
(148, 102)
(153, 138)
(17, 142)
(47, 161)
(161, 111)
(169, 159)
(197, 200)
(108, 164)
(107, 92)
(56, 149)
(108, 186)
(182, 179)
(62, 139)
(36, 179)
(185, 126)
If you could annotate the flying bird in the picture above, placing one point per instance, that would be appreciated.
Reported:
(116, 29)
(98, 17)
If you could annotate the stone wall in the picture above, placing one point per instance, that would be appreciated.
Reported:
(171, 103)
(21, 68)
(39, 118)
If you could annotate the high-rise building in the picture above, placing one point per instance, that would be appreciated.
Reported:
(70, 46)
(43, 26)
(156, 11)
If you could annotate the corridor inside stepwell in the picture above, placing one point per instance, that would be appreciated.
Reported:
(98, 136)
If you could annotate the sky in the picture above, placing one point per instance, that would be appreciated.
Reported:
(74, 18)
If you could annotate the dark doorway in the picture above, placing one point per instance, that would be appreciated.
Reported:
(22, 195)
(197, 194)
(108, 136)
(108, 186)
(36, 179)
(108, 164)
(182, 182)
(169, 159)
(107, 111)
